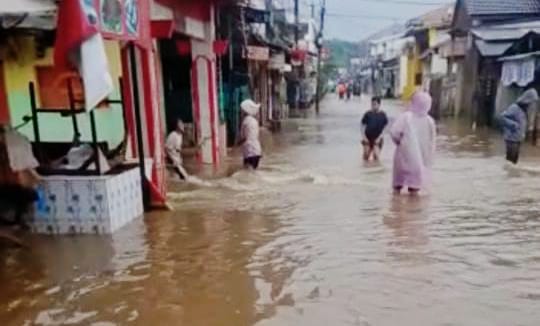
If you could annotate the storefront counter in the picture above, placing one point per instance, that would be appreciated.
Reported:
(89, 204)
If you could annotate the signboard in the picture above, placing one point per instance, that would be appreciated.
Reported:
(132, 17)
(256, 16)
(195, 28)
(190, 27)
(111, 16)
(117, 19)
(257, 53)
(90, 11)
(277, 61)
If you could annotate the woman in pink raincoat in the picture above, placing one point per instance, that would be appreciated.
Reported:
(414, 134)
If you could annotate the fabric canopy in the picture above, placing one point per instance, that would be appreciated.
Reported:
(520, 72)
(15, 7)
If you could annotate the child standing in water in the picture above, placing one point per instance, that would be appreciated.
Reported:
(373, 124)
(251, 145)
(414, 134)
(173, 149)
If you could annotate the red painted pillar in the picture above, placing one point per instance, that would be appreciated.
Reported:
(153, 122)
(4, 108)
(153, 141)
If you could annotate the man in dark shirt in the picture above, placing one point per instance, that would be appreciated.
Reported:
(373, 124)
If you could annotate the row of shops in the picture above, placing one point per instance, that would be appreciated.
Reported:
(475, 57)
(154, 62)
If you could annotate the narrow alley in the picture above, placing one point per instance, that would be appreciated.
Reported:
(314, 238)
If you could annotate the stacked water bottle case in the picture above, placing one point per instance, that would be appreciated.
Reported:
(89, 205)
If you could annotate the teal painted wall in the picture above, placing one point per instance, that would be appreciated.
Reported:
(20, 71)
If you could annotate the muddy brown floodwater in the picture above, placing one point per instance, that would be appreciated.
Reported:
(314, 238)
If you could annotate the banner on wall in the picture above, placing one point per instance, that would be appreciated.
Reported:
(111, 16)
(119, 18)
(94, 70)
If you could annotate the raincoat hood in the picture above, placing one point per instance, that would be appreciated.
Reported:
(529, 97)
(421, 103)
(250, 108)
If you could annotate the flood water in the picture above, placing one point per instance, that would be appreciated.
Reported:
(314, 238)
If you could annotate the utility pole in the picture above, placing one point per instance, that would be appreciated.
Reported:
(296, 44)
(319, 54)
(296, 22)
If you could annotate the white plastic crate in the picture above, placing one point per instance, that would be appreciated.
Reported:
(89, 204)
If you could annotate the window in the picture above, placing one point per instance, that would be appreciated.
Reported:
(418, 79)
(53, 86)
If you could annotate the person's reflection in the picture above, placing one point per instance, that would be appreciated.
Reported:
(406, 219)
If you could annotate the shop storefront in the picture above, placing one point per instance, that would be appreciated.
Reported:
(124, 128)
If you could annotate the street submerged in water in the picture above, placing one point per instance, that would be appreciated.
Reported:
(313, 238)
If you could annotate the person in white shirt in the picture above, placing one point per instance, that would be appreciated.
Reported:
(251, 145)
(173, 149)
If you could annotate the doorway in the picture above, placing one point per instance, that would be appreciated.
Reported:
(176, 71)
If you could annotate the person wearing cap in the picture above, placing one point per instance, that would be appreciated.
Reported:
(173, 148)
(251, 145)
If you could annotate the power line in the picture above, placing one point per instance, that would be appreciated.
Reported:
(409, 2)
(375, 17)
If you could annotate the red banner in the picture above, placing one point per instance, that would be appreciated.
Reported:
(77, 22)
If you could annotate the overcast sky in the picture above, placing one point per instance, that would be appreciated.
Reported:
(355, 20)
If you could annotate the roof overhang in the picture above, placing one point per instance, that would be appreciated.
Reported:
(519, 57)
(492, 49)
(18, 7)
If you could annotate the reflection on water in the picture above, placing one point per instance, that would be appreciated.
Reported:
(313, 238)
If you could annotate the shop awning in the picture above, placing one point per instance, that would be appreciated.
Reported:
(275, 44)
(17, 7)
(162, 21)
(519, 69)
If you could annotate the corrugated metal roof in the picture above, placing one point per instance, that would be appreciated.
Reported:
(440, 17)
(502, 7)
(492, 49)
(507, 31)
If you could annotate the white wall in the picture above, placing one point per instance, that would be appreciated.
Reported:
(390, 47)
(439, 65)
(403, 73)
(206, 93)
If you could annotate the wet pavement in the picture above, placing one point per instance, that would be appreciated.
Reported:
(314, 238)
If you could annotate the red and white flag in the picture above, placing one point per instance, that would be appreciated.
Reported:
(79, 44)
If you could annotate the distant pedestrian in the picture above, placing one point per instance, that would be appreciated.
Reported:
(373, 124)
(349, 90)
(251, 145)
(414, 134)
(173, 149)
(514, 123)
(342, 89)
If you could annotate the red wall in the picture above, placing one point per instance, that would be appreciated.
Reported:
(4, 109)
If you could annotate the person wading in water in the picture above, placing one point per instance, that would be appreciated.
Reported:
(414, 134)
(514, 123)
(251, 145)
(373, 124)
